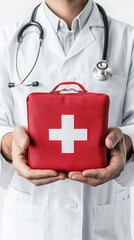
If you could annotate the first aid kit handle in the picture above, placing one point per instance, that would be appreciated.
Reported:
(69, 83)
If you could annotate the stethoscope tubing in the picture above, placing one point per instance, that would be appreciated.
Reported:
(36, 24)
(106, 32)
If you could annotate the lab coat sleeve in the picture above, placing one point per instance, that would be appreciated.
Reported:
(6, 117)
(127, 176)
(128, 111)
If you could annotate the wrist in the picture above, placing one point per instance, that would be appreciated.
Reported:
(129, 147)
(6, 147)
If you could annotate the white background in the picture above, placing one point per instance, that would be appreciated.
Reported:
(12, 10)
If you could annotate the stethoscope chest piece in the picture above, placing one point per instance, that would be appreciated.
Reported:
(102, 71)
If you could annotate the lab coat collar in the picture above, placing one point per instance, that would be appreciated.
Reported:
(95, 19)
(84, 39)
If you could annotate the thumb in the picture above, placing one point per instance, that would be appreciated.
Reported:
(20, 137)
(113, 138)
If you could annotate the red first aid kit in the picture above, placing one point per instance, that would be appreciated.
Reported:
(67, 129)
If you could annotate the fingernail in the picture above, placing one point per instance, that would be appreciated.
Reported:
(73, 177)
(111, 144)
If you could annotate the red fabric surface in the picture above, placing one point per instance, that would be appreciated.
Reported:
(90, 112)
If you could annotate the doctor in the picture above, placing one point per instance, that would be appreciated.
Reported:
(45, 204)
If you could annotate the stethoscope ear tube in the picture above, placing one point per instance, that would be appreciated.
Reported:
(31, 23)
(33, 16)
(33, 84)
(27, 25)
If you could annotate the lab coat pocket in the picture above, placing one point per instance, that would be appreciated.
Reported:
(112, 86)
(112, 221)
(22, 220)
(115, 89)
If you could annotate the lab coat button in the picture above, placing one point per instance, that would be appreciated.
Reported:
(61, 24)
(72, 204)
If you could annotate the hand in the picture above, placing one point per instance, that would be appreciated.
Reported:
(20, 143)
(117, 144)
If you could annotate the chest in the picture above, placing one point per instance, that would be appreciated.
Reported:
(54, 67)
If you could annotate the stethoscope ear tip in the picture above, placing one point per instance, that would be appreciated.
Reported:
(35, 84)
(102, 71)
(11, 84)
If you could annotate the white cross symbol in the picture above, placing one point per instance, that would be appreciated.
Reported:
(67, 134)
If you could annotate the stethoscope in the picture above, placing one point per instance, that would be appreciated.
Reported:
(101, 71)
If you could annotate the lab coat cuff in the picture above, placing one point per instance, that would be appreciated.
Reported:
(126, 179)
(129, 130)
(6, 172)
(3, 131)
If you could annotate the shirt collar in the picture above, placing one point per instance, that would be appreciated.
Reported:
(84, 15)
(80, 21)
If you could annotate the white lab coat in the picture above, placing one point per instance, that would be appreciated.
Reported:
(67, 209)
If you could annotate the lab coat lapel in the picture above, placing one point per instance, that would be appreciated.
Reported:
(86, 37)
(52, 41)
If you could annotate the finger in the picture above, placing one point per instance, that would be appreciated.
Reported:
(117, 162)
(112, 171)
(31, 174)
(78, 177)
(87, 180)
(114, 137)
(21, 138)
(99, 176)
(40, 182)
(73, 173)
(20, 164)
(96, 173)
